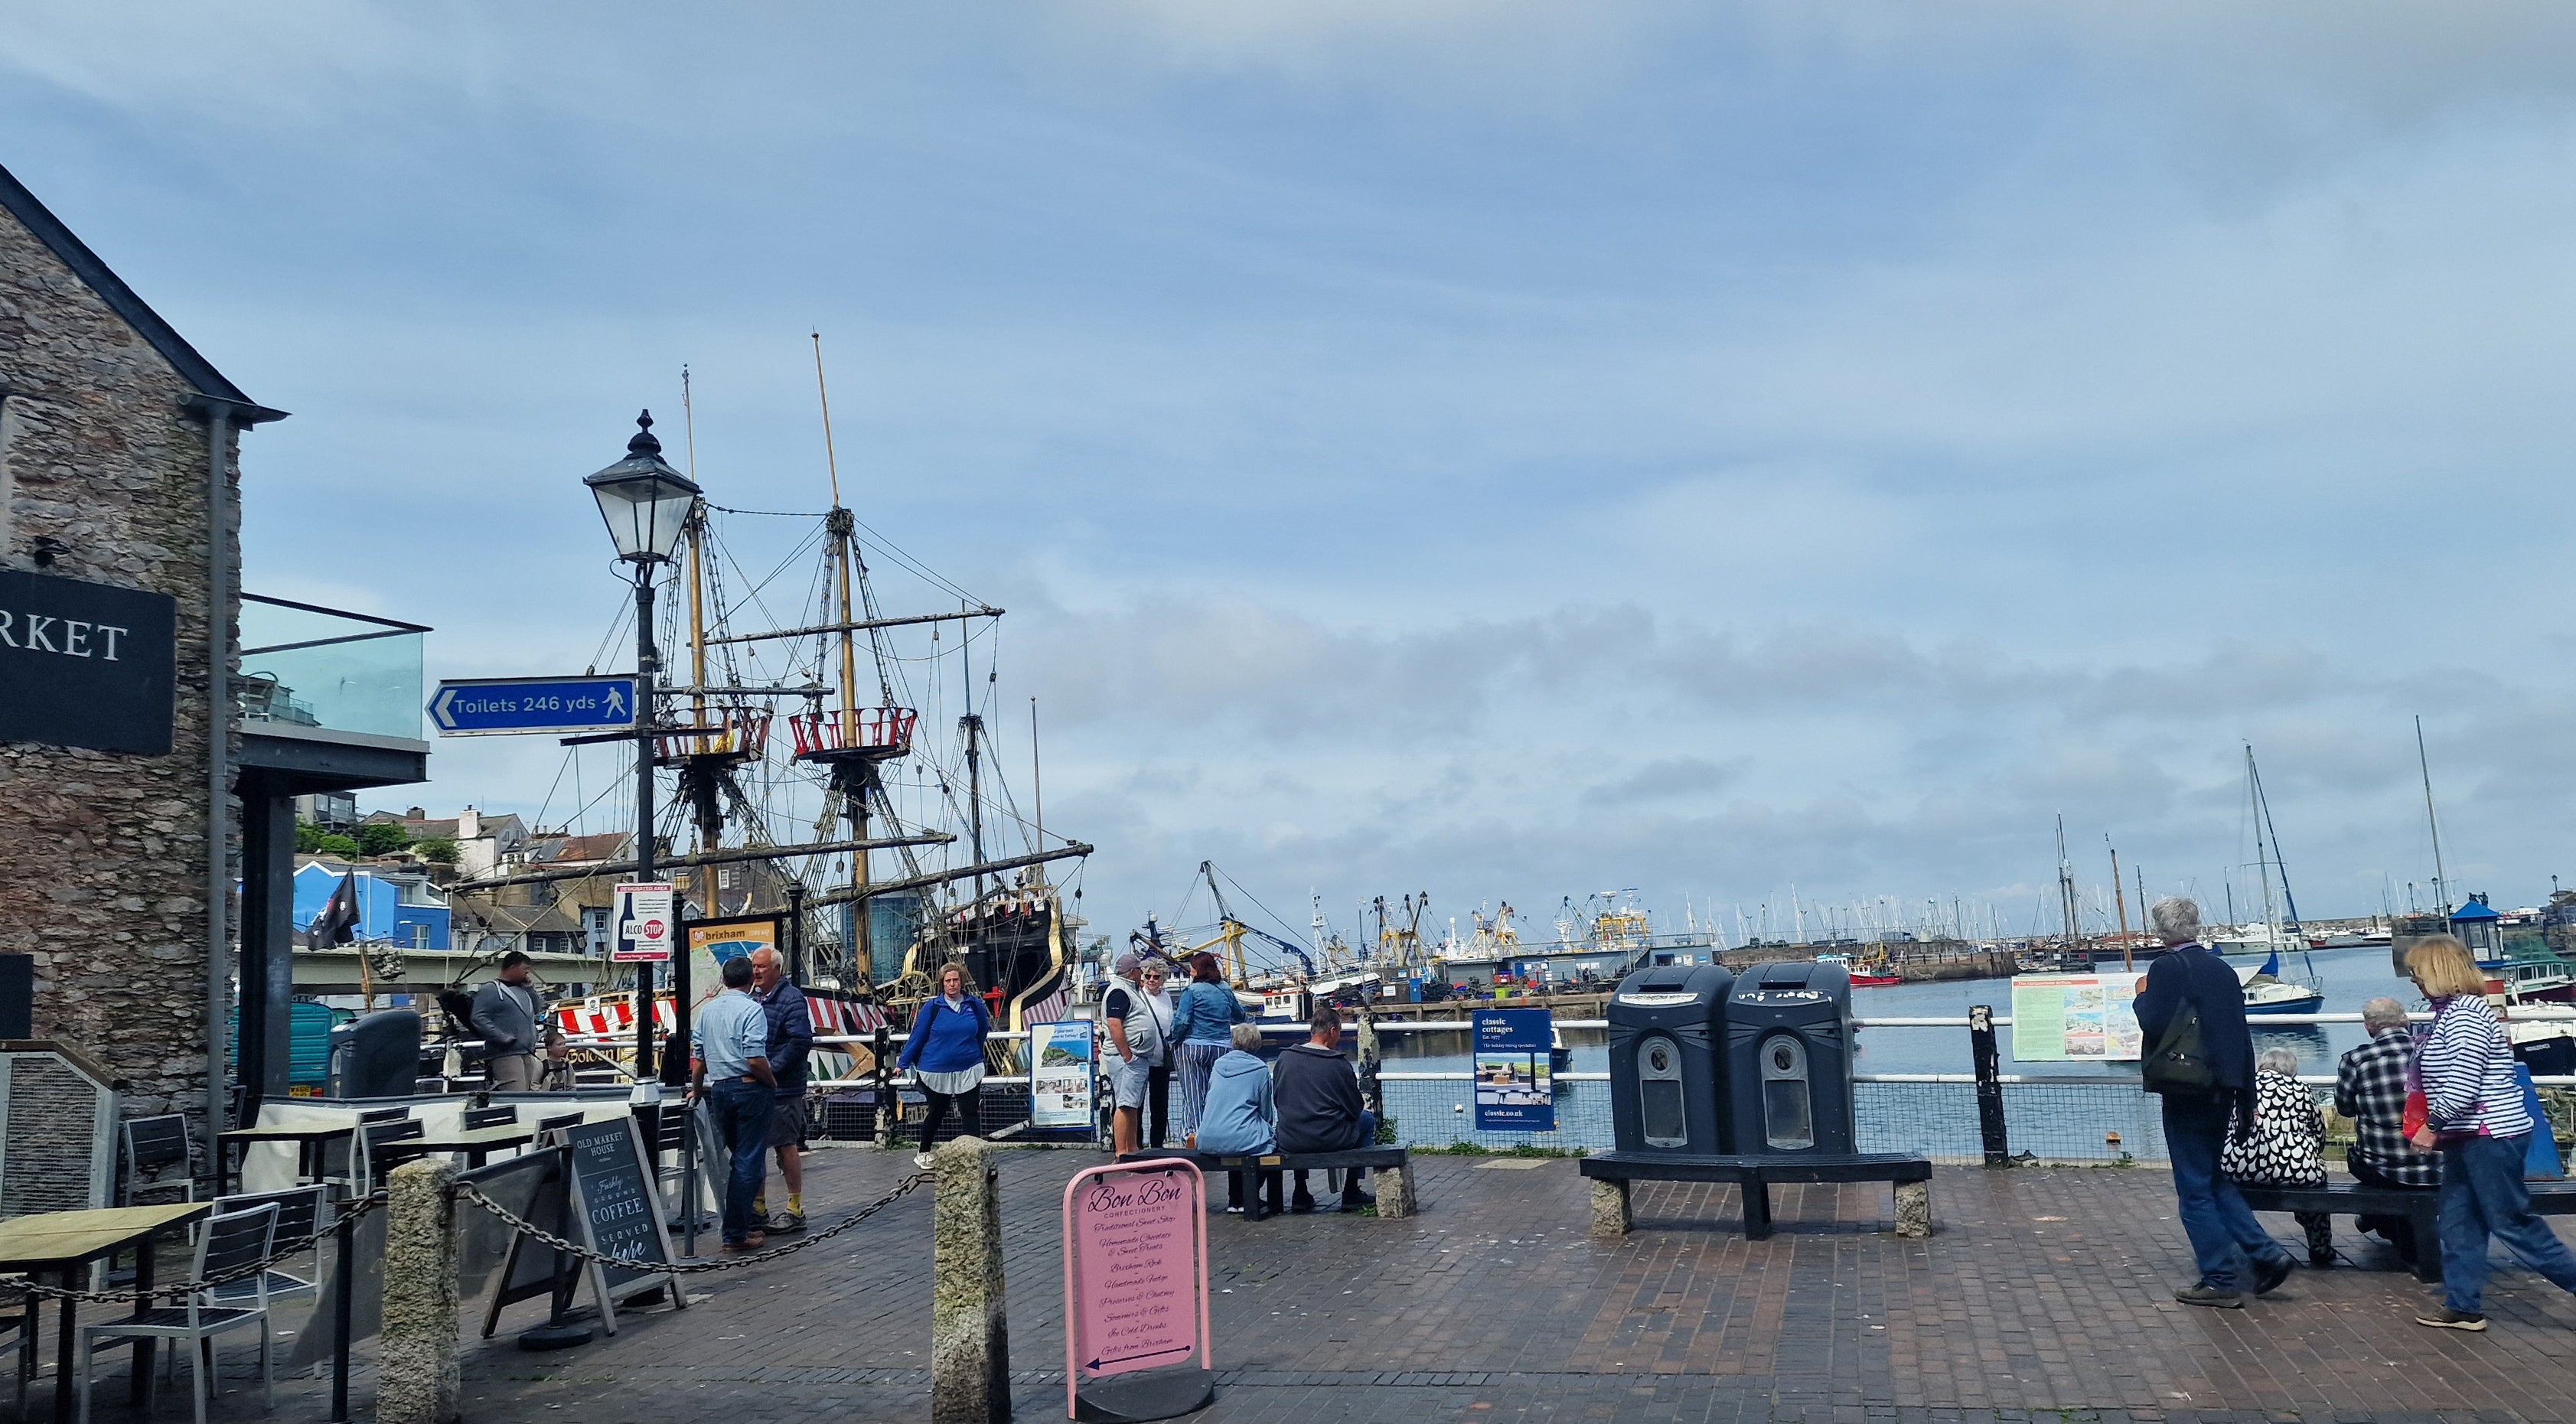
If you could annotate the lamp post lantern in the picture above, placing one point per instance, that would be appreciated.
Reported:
(646, 505)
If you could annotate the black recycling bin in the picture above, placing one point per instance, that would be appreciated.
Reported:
(1789, 1060)
(1668, 1061)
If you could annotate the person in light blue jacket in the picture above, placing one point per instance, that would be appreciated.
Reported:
(1202, 1019)
(1237, 1116)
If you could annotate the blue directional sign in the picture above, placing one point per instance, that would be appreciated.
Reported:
(492, 705)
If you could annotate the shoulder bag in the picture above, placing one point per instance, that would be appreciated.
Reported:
(2179, 1064)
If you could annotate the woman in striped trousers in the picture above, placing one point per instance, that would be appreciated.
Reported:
(1203, 1023)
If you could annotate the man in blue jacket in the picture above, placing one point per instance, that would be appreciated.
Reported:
(2231, 1248)
(791, 1039)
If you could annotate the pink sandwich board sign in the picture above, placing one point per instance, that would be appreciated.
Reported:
(1136, 1291)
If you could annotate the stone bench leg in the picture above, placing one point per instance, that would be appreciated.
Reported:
(1395, 1191)
(1610, 1213)
(1913, 1209)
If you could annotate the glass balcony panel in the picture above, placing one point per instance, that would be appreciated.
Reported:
(313, 667)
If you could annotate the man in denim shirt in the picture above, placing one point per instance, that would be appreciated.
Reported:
(732, 1072)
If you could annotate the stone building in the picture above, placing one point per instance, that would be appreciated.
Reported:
(118, 446)
(135, 802)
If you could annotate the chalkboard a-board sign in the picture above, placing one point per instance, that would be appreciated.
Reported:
(617, 1210)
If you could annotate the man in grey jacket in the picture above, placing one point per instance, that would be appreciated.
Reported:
(505, 1013)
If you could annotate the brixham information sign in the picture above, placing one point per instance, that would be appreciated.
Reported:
(1136, 1292)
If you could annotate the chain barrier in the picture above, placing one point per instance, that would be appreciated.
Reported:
(470, 1192)
(350, 1212)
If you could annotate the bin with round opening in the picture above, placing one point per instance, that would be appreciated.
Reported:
(1789, 1058)
(1667, 1052)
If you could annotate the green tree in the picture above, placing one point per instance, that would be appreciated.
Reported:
(308, 837)
(437, 850)
(382, 838)
(340, 846)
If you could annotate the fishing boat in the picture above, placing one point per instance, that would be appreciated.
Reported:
(1861, 977)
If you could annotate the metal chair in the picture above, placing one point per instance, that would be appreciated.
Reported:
(150, 1145)
(229, 1243)
(383, 1145)
(18, 1313)
(299, 1227)
(490, 1117)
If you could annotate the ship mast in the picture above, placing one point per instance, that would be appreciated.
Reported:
(852, 778)
(697, 567)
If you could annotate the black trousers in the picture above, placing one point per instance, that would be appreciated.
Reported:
(1158, 1103)
(969, 1113)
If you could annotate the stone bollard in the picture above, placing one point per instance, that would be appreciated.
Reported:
(1610, 1211)
(1913, 1209)
(970, 1329)
(1394, 1191)
(417, 1374)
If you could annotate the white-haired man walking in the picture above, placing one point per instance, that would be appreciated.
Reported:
(2229, 1246)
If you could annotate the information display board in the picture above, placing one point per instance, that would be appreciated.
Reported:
(1060, 1086)
(616, 1210)
(2060, 1018)
(1515, 1081)
(1135, 1276)
(712, 944)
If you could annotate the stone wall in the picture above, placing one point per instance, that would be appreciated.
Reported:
(103, 855)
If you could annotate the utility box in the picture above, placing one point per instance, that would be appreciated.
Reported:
(1789, 1061)
(377, 1056)
(1668, 1061)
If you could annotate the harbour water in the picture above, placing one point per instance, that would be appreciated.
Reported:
(2073, 1120)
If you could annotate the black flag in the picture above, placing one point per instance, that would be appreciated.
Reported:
(338, 922)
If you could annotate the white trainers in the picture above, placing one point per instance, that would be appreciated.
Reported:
(924, 1161)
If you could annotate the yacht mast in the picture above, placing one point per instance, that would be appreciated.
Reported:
(2441, 890)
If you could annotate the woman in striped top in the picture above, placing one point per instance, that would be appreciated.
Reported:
(2473, 1111)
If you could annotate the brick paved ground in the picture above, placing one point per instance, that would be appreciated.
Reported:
(2043, 1291)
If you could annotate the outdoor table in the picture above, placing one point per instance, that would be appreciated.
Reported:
(475, 1144)
(308, 1138)
(65, 1243)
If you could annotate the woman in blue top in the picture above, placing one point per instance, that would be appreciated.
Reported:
(1238, 1118)
(946, 1047)
(1203, 1023)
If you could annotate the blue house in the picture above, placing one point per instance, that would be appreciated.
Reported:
(395, 906)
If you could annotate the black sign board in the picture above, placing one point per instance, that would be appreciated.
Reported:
(85, 664)
(616, 1207)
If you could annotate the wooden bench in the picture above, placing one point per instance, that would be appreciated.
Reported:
(1394, 1166)
(1611, 1174)
(2422, 1208)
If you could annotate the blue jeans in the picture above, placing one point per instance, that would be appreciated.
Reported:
(2224, 1233)
(741, 1111)
(2483, 1195)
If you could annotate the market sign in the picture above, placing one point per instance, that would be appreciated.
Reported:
(85, 664)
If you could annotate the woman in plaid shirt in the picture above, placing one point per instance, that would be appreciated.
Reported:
(2474, 1114)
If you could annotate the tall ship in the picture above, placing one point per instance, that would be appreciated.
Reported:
(839, 763)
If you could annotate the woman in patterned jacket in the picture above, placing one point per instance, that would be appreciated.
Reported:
(2473, 1112)
(2287, 1146)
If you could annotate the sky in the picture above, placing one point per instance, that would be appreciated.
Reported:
(1504, 451)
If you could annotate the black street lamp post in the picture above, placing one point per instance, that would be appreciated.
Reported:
(646, 504)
